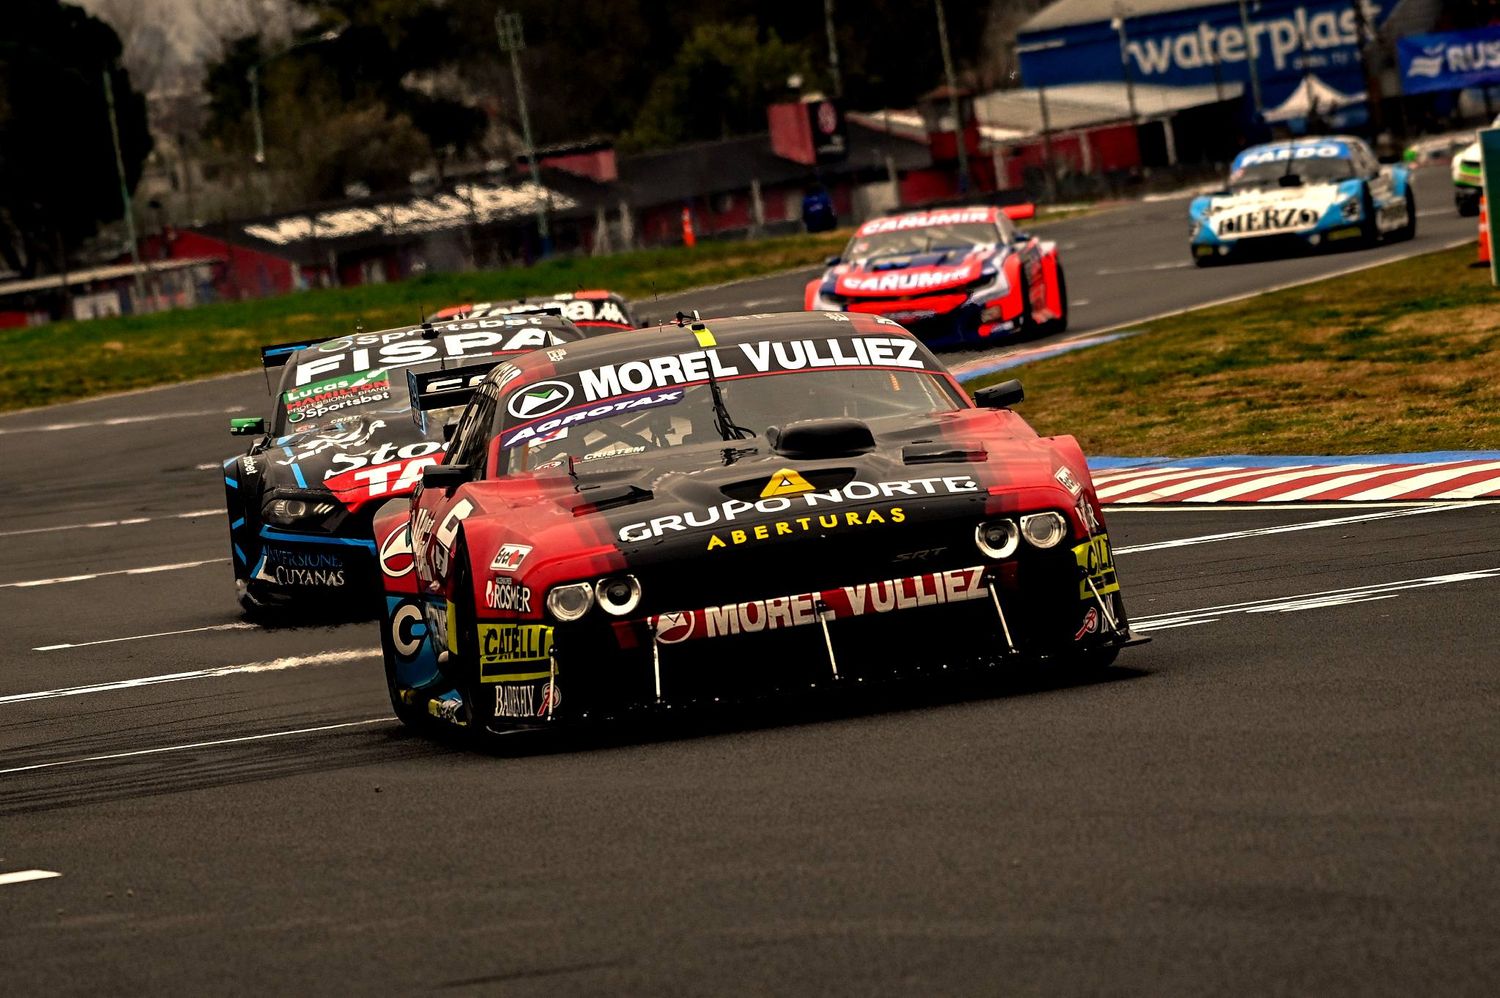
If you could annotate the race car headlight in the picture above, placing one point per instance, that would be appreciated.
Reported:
(618, 595)
(1044, 530)
(568, 603)
(1350, 209)
(997, 538)
(303, 512)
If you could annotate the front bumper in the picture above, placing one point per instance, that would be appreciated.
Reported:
(1037, 607)
(943, 324)
(290, 568)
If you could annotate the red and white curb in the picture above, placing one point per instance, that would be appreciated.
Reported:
(1312, 482)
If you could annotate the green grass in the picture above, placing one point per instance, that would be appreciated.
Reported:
(70, 360)
(1403, 357)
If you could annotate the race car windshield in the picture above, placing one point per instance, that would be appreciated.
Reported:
(1258, 176)
(960, 237)
(686, 416)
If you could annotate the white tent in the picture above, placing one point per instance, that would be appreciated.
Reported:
(1312, 95)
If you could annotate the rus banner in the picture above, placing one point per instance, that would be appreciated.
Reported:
(1450, 60)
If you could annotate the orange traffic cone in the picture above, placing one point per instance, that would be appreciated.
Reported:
(688, 238)
(1484, 232)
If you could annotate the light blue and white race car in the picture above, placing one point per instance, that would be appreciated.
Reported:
(1302, 195)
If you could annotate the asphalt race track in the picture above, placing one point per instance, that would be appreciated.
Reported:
(1292, 790)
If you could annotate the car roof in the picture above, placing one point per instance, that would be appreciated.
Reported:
(700, 334)
(403, 346)
(937, 216)
(1304, 142)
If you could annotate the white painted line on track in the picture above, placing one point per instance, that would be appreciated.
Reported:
(119, 420)
(1287, 528)
(99, 524)
(1306, 601)
(1174, 265)
(111, 756)
(237, 626)
(26, 876)
(1286, 285)
(147, 570)
(274, 665)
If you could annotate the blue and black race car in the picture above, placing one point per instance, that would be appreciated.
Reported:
(1300, 195)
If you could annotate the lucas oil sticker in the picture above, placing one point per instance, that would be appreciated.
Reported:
(324, 397)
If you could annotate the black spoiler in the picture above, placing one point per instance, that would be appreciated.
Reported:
(441, 389)
(277, 354)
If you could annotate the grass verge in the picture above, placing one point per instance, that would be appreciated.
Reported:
(71, 360)
(1402, 357)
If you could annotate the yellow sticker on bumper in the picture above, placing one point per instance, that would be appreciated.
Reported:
(1095, 558)
(504, 646)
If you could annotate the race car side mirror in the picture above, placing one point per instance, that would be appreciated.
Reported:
(1001, 396)
(251, 426)
(831, 261)
(445, 476)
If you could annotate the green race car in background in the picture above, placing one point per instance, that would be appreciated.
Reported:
(1468, 182)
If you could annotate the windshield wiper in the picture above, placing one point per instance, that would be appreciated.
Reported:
(727, 428)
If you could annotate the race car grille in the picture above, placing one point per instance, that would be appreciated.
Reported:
(608, 666)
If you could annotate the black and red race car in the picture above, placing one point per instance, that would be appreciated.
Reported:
(341, 440)
(730, 508)
(603, 311)
(953, 276)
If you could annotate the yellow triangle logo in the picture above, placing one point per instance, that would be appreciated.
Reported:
(785, 482)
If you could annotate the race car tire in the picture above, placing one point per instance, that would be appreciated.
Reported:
(1369, 228)
(1093, 659)
(1029, 326)
(1409, 230)
(411, 715)
(1468, 206)
(462, 666)
(1060, 324)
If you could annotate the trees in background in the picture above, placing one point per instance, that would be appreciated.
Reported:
(58, 182)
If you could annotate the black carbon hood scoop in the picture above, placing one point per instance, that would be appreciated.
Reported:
(811, 439)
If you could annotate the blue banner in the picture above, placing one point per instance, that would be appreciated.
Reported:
(1449, 61)
(1205, 45)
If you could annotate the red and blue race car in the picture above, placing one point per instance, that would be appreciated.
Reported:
(953, 276)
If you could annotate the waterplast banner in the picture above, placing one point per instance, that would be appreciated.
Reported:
(1451, 60)
(1213, 43)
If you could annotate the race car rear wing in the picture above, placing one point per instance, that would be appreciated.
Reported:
(277, 354)
(1019, 212)
(442, 389)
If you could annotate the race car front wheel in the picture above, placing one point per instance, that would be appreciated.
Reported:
(1370, 227)
(1060, 324)
(1408, 230)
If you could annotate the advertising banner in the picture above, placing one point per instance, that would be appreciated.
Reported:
(1204, 45)
(1451, 60)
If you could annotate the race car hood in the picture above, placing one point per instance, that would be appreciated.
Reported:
(1264, 212)
(911, 275)
(764, 516)
(365, 457)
